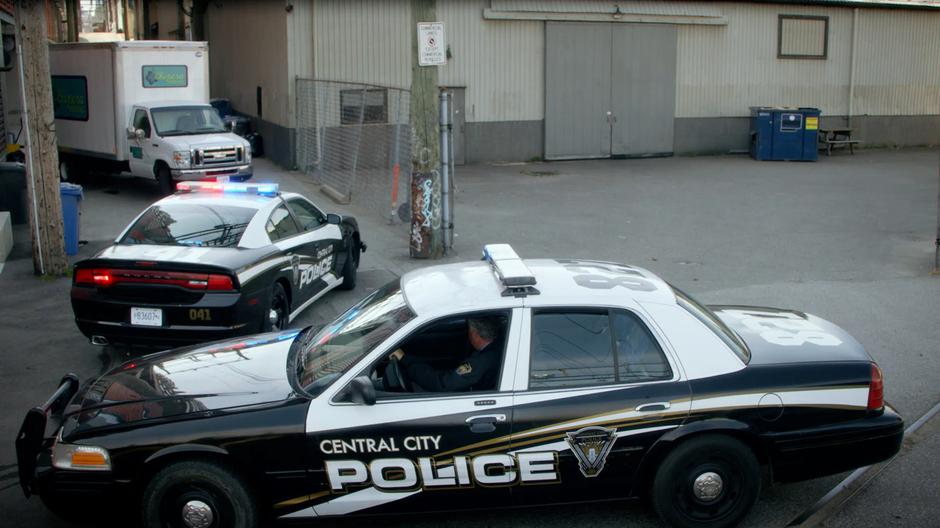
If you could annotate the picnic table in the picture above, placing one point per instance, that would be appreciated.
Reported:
(836, 137)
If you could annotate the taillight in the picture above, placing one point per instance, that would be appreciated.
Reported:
(94, 277)
(220, 283)
(876, 390)
(83, 276)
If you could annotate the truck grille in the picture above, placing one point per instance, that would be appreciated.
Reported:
(212, 157)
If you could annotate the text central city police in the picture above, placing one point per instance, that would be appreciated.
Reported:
(381, 445)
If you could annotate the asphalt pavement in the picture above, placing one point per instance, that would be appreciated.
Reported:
(849, 238)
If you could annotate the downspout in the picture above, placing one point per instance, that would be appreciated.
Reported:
(852, 65)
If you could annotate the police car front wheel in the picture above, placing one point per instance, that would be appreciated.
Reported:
(709, 481)
(198, 495)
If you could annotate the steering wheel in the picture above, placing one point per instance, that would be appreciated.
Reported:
(394, 378)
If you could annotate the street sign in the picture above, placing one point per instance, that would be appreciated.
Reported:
(431, 47)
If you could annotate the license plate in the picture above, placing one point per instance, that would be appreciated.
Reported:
(147, 316)
(222, 179)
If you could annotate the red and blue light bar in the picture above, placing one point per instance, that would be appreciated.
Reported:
(261, 189)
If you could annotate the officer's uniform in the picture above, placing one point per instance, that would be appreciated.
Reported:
(479, 369)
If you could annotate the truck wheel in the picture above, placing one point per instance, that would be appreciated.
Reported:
(711, 480)
(165, 180)
(277, 314)
(351, 265)
(70, 172)
(197, 494)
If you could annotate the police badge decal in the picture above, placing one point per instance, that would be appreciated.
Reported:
(591, 445)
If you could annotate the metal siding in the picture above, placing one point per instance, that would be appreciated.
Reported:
(723, 70)
(238, 64)
(600, 6)
(299, 50)
(577, 90)
(366, 41)
(898, 67)
(501, 63)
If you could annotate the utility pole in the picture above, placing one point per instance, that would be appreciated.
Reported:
(42, 151)
(427, 239)
(936, 257)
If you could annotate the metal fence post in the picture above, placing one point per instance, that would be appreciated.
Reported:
(445, 171)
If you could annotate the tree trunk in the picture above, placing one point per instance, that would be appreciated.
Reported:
(426, 234)
(42, 155)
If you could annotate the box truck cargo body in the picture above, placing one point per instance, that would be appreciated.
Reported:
(141, 107)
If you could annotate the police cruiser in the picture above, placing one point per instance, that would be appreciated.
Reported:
(609, 384)
(213, 261)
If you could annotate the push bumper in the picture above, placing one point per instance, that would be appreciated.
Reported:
(234, 173)
(811, 453)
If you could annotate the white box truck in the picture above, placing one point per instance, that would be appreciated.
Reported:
(141, 107)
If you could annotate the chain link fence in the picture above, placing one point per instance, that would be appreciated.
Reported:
(355, 140)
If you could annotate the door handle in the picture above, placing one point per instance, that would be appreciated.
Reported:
(485, 423)
(652, 407)
(155, 144)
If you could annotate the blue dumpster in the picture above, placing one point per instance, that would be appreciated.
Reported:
(71, 209)
(781, 133)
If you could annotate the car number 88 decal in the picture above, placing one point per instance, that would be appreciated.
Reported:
(599, 276)
(786, 330)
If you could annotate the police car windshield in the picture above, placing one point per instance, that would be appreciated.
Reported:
(199, 225)
(323, 357)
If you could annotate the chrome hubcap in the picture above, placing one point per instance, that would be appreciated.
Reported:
(272, 317)
(707, 486)
(197, 514)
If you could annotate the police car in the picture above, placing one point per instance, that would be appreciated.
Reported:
(214, 260)
(610, 384)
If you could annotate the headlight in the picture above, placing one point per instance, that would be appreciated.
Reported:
(182, 158)
(247, 153)
(80, 457)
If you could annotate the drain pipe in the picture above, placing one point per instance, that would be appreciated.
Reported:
(852, 56)
(445, 171)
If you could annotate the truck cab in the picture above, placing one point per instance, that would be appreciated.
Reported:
(183, 140)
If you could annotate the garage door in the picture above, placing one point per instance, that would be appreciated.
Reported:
(609, 89)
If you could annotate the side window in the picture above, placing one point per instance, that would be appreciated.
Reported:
(584, 348)
(571, 349)
(309, 216)
(281, 225)
(142, 122)
(639, 356)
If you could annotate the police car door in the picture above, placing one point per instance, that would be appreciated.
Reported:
(596, 390)
(319, 241)
(417, 452)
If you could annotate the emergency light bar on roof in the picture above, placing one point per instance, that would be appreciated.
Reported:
(261, 189)
(511, 271)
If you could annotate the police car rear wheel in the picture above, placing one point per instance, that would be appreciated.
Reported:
(709, 481)
(277, 314)
(197, 495)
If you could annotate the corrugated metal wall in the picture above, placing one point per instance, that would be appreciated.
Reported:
(501, 63)
(722, 70)
(601, 6)
(300, 46)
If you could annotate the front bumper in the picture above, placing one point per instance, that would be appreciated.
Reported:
(211, 317)
(233, 172)
(811, 453)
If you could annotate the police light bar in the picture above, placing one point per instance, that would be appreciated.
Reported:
(509, 268)
(262, 189)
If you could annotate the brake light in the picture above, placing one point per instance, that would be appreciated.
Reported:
(94, 277)
(83, 276)
(876, 390)
(220, 283)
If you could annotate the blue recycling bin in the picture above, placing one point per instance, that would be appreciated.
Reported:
(784, 134)
(71, 209)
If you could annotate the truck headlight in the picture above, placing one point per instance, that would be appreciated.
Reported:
(80, 457)
(247, 153)
(182, 158)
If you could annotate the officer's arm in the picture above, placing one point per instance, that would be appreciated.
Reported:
(466, 375)
(426, 376)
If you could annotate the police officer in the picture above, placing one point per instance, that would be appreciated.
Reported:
(478, 370)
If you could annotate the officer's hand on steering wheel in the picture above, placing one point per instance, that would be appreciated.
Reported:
(397, 354)
(394, 378)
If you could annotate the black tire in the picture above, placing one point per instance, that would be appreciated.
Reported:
(189, 483)
(281, 306)
(351, 266)
(165, 180)
(733, 462)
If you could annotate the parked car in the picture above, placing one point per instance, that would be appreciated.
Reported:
(608, 384)
(214, 261)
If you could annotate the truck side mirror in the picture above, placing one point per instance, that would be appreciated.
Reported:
(134, 133)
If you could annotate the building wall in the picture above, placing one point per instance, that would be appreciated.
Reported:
(248, 50)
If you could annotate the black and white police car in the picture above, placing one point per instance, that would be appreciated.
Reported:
(610, 384)
(213, 261)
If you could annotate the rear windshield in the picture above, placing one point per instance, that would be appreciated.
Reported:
(706, 316)
(200, 225)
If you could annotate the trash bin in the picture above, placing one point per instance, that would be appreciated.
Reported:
(13, 191)
(71, 209)
(784, 134)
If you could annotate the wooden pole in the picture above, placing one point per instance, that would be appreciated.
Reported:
(42, 155)
(427, 239)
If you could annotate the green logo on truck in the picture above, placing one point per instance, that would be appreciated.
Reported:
(165, 76)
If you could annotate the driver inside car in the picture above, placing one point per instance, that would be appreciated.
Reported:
(477, 371)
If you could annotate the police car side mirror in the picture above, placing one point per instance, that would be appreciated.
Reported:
(334, 219)
(361, 391)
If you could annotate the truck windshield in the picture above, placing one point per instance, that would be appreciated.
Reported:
(317, 360)
(186, 120)
(198, 225)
